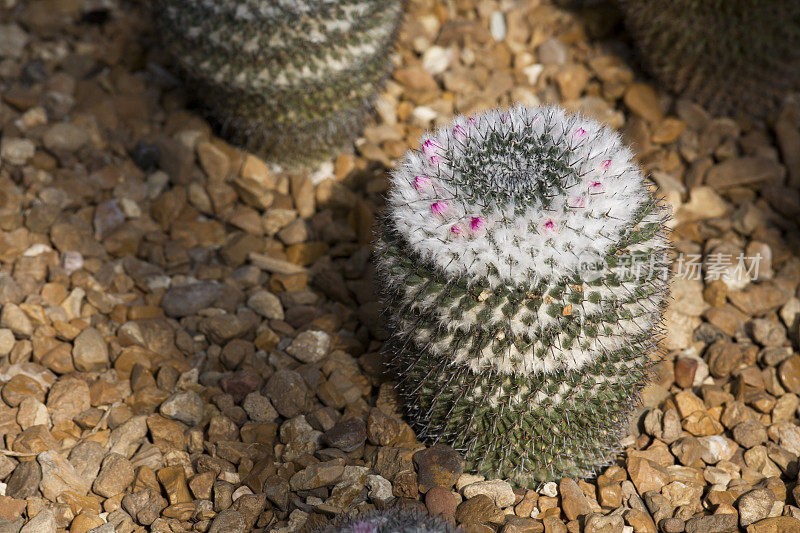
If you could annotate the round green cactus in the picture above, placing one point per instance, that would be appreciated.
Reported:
(735, 57)
(290, 80)
(523, 259)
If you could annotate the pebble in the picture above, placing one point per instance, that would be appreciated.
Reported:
(184, 406)
(43, 522)
(228, 521)
(498, 490)
(754, 506)
(189, 299)
(116, 474)
(13, 40)
(440, 501)
(259, 408)
(347, 435)
(16, 151)
(439, 465)
(478, 510)
(90, 351)
(64, 137)
(266, 304)
(310, 346)
(497, 26)
(552, 52)
(58, 475)
(573, 501)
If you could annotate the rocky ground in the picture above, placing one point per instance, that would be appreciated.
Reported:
(189, 340)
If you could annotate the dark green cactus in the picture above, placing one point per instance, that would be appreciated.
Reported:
(523, 262)
(290, 80)
(735, 57)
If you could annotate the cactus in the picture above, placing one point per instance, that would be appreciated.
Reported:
(520, 332)
(391, 520)
(290, 80)
(736, 57)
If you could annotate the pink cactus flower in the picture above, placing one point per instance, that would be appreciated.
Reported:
(550, 225)
(605, 164)
(439, 208)
(420, 182)
(580, 133)
(477, 223)
(460, 133)
(456, 230)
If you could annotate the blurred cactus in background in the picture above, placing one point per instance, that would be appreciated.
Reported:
(391, 520)
(292, 81)
(735, 57)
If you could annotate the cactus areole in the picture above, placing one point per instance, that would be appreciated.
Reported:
(523, 261)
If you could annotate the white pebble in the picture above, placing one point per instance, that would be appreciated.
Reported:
(497, 26)
(436, 59)
(71, 261)
(532, 72)
(380, 489)
(550, 489)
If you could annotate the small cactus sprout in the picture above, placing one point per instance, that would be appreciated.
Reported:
(735, 57)
(291, 80)
(524, 284)
(391, 520)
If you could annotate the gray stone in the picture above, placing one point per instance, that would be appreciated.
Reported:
(288, 392)
(185, 406)
(43, 522)
(228, 521)
(188, 299)
(116, 474)
(259, 408)
(266, 304)
(718, 523)
(12, 40)
(24, 481)
(65, 137)
(86, 458)
(310, 346)
(754, 506)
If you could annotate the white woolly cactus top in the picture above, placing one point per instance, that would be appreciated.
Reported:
(524, 194)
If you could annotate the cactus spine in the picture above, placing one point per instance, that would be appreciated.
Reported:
(736, 57)
(292, 80)
(508, 347)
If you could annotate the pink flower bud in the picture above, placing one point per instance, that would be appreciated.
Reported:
(605, 164)
(460, 133)
(421, 182)
(580, 133)
(472, 122)
(577, 201)
(477, 223)
(439, 208)
(431, 148)
(456, 230)
(550, 225)
(596, 187)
